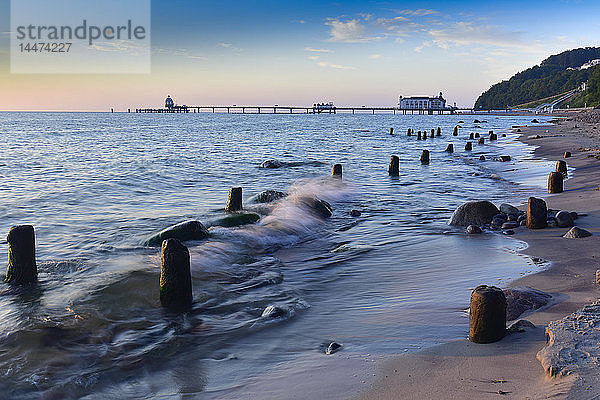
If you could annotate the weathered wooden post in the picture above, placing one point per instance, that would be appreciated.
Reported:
(567, 154)
(424, 137)
(391, 131)
(455, 132)
(419, 135)
(175, 275)
(450, 148)
(234, 200)
(481, 141)
(409, 132)
(469, 146)
(561, 166)
(432, 133)
(439, 131)
(487, 316)
(477, 135)
(336, 172)
(22, 268)
(425, 157)
(537, 213)
(394, 168)
(555, 182)
(471, 136)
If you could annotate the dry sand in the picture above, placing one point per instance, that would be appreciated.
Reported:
(509, 368)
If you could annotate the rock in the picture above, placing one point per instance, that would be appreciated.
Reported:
(481, 141)
(270, 164)
(564, 219)
(532, 136)
(317, 206)
(355, 213)
(509, 210)
(175, 275)
(473, 229)
(236, 219)
(184, 231)
(577, 233)
(482, 158)
(487, 316)
(551, 223)
(450, 148)
(477, 135)
(272, 312)
(504, 135)
(504, 158)
(537, 213)
(332, 348)
(572, 343)
(521, 218)
(501, 216)
(468, 146)
(497, 223)
(521, 299)
(510, 225)
(268, 196)
(474, 213)
(513, 218)
(520, 326)
(535, 121)
(574, 215)
(508, 232)
(476, 121)
(523, 223)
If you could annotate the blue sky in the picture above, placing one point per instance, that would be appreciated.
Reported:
(297, 53)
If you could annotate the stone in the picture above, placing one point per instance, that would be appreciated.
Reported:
(471, 136)
(510, 225)
(273, 312)
(474, 213)
(551, 223)
(319, 207)
(564, 219)
(455, 132)
(481, 141)
(477, 135)
(468, 146)
(567, 154)
(425, 157)
(473, 229)
(504, 158)
(355, 213)
(270, 164)
(482, 158)
(535, 121)
(537, 213)
(22, 266)
(336, 171)
(450, 148)
(234, 200)
(268, 196)
(577, 233)
(509, 209)
(532, 136)
(504, 135)
(520, 326)
(236, 219)
(394, 167)
(184, 231)
(561, 166)
(409, 132)
(555, 182)
(521, 299)
(574, 215)
(513, 218)
(508, 232)
(175, 275)
(332, 348)
(476, 121)
(391, 131)
(487, 315)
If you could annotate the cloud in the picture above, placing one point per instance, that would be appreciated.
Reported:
(467, 33)
(301, 21)
(420, 48)
(313, 57)
(318, 50)
(326, 64)
(375, 56)
(185, 53)
(419, 12)
(229, 46)
(350, 31)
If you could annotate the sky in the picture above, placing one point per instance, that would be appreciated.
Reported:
(300, 52)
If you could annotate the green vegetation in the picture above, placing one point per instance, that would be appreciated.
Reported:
(535, 103)
(548, 79)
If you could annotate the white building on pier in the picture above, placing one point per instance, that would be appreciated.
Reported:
(422, 103)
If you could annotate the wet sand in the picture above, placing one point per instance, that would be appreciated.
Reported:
(509, 368)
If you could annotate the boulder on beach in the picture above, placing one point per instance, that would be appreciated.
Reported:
(510, 225)
(184, 231)
(504, 158)
(564, 219)
(521, 299)
(237, 219)
(271, 164)
(509, 210)
(473, 230)
(332, 348)
(267, 196)
(474, 213)
(577, 233)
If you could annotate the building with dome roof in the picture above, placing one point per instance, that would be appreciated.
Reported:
(169, 103)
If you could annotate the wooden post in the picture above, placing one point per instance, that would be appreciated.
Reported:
(487, 315)
(561, 166)
(537, 213)
(234, 200)
(175, 275)
(455, 132)
(555, 182)
(469, 146)
(394, 168)
(481, 141)
(22, 268)
(425, 157)
(439, 131)
(450, 148)
(336, 172)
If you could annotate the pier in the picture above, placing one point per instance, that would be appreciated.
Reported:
(295, 110)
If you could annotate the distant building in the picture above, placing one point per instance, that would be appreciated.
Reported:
(589, 64)
(169, 103)
(422, 103)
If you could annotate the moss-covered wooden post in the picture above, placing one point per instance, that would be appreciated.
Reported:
(487, 316)
(234, 200)
(175, 275)
(336, 172)
(22, 268)
(394, 168)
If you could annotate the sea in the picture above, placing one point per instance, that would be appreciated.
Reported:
(394, 280)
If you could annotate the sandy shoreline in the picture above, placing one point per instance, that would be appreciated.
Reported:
(509, 368)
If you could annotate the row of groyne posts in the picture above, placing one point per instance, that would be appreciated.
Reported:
(487, 321)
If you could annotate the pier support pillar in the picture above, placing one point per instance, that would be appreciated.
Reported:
(487, 316)
(22, 268)
(234, 200)
(561, 166)
(394, 168)
(175, 275)
(537, 213)
(555, 182)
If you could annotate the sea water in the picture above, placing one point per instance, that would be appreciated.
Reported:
(95, 186)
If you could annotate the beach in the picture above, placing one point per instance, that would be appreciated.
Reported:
(509, 368)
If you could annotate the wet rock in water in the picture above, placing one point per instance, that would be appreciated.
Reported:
(477, 135)
(572, 343)
(574, 215)
(273, 312)
(521, 299)
(450, 148)
(551, 223)
(567, 154)
(577, 233)
(332, 348)
(482, 158)
(508, 232)
(184, 231)
(497, 223)
(270, 164)
(504, 158)
(268, 196)
(504, 135)
(520, 326)
(523, 223)
(535, 121)
(468, 146)
(510, 225)
(521, 218)
(319, 207)
(474, 213)
(537, 213)
(473, 229)
(236, 219)
(509, 210)
(472, 136)
(513, 218)
(476, 121)
(564, 219)
(355, 213)
(532, 136)
(487, 316)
